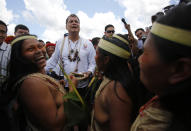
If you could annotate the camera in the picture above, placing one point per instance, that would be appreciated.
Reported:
(143, 38)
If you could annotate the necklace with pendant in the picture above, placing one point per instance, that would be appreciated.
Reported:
(73, 52)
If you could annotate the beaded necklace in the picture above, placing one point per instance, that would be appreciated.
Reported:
(74, 51)
(152, 100)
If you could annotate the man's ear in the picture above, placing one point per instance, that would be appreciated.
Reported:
(181, 70)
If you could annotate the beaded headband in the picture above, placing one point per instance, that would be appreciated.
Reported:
(121, 38)
(113, 49)
(177, 35)
(23, 38)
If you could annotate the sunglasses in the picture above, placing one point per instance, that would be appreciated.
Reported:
(110, 31)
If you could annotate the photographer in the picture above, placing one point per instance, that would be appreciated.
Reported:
(141, 35)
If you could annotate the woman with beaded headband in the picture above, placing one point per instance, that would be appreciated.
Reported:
(165, 69)
(39, 97)
(114, 106)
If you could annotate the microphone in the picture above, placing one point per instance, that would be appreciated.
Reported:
(123, 20)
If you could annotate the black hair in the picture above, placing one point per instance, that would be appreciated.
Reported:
(117, 69)
(3, 23)
(168, 50)
(66, 34)
(72, 15)
(21, 26)
(139, 29)
(41, 40)
(156, 16)
(153, 18)
(107, 26)
(19, 66)
(168, 8)
(176, 97)
(160, 13)
(184, 1)
(95, 40)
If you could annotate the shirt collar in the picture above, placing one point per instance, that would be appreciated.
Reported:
(3, 46)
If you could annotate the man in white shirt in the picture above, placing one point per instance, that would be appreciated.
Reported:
(73, 52)
(5, 51)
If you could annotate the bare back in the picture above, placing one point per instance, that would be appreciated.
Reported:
(112, 109)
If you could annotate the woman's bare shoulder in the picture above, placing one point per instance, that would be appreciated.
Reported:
(33, 85)
(117, 92)
(32, 82)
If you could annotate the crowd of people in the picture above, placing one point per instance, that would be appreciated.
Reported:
(127, 84)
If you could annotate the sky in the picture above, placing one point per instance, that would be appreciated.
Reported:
(46, 18)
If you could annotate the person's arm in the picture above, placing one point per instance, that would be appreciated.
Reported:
(119, 108)
(91, 58)
(134, 48)
(46, 111)
(134, 42)
(127, 26)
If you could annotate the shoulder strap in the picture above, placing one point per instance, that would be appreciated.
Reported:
(61, 50)
(47, 80)
(102, 86)
(61, 64)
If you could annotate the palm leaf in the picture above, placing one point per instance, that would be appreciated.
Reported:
(72, 85)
